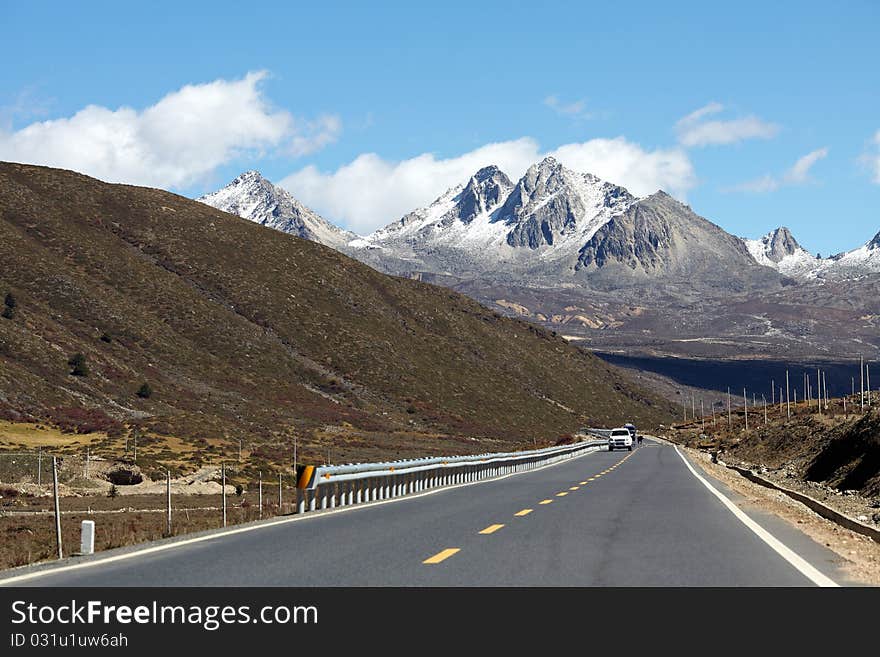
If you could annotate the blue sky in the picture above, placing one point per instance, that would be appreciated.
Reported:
(364, 110)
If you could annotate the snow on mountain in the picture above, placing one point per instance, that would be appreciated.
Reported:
(252, 197)
(779, 250)
(489, 222)
(858, 262)
(550, 223)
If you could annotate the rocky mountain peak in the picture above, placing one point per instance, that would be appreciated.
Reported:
(780, 243)
(253, 197)
(486, 189)
(874, 243)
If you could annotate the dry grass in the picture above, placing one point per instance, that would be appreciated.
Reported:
(30, 435)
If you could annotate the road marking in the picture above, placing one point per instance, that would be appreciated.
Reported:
(151, 548)
(442, 555)
(546, 502)
(491, 529)
(524, 512)
(799, 563)
(574, 488)
(583, 483)
(562, 494)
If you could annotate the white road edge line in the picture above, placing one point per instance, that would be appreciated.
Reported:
(784, 551)
(322, 513)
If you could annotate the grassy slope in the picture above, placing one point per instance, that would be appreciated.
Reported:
(243, 331)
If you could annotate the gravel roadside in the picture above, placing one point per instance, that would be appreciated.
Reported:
(860, 553)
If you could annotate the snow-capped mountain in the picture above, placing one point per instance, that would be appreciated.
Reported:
(556, 226)
(856, 263)
(252, 197)
(553, 225)
(491, 224)
(779, 250)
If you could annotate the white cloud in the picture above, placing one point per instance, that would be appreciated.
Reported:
(180, 140)
(797, 174)
(693, 131)
(872, 159)
(696, 115)
(316, 134)
(800, 171)
(575, 109)
(370, 192)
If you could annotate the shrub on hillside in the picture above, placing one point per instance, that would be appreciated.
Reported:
(145, 391)
(78, 365)
(84, 420)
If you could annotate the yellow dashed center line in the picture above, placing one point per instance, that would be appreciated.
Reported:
(442, 555)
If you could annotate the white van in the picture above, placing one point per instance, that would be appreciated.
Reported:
(620, 438)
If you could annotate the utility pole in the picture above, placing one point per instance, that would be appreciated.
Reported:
(702, 416)
(168, 502)
(57, 507)
(764, 399)
(261, 495)
(772, 392)
(86, 466)
(40, 466)
(868, 381)
(861, 383)
(787, 395)
(746, 404)
(825, 388)
(729, 423)
(693, 406)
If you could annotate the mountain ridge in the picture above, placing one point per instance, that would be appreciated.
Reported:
(249, 333)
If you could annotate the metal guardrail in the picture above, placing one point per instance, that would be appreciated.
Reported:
(599, 433)
(356, 483)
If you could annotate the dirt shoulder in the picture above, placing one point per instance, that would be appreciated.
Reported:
(860, 553)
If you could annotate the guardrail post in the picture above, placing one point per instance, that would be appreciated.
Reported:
(301, 501)
(324, 494)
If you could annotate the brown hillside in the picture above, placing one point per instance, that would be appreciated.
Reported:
(245, 332)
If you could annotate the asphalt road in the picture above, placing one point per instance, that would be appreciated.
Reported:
(636, 518)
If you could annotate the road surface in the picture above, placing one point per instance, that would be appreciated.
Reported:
(639, 518)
